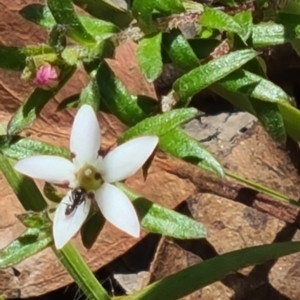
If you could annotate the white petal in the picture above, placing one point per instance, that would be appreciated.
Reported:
(117, 209)
(53, 169)
(85, 136)
(66, 226)
(126, 159)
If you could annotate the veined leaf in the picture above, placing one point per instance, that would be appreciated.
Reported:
(64, 14)
(128, 108)
(40, 14)
(217, 19)
(32, 241)
(28, 111)
(18, 148)
(143, 10)
(157, 219)
(179, 144)
(205, 75)
(160, 124)
(212, 270)
(180, 51)
(149, 56)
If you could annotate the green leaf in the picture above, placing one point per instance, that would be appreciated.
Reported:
(157, 219)
(24, 187)
(217, 19)
(52, 193)
(107, 10)
(143, 10)
(64, 14)
(37, 220)
(91, 229)
(254, 86)
(149, 56)
(90, 94)
(40, 14)
(212, 270)
(180, 51)
(203, 47)
(244, 19)
(32, 241)
(31, 199)
(291, 117)
(128, 108)
(18, 148)
(81, 273)
(99, 29)
(270, 34)
(270, 117)
(29, 111)
(179, 144)
(14, 58)
(205, 75)
(160, 125)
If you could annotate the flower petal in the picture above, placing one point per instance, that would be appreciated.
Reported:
(53, 169)
(126, 159)
(66, 226)
(85, 136)
(117, 209)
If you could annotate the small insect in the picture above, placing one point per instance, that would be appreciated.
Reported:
(77, 196)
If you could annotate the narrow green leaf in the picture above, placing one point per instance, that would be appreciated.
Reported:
(52, 193)
(99, 29)
(64, 14)
(81, 273)
(38, 220)
(237, 99)
(18, 148)
(180, 51)
(291, 117)
(29, 111)
(31, 199)
(254, 86)
(205, 75)
(128, 108)
(40, 14)
(212, 270)
(149, 56)
(107, 10)
(158, 219)
(203, 47)
(25, 188)
(270, 34)
(244, 19)
(291, 23)
(160, 124)
(179, 144)
(32, 241)
(143, 10)
(270, 117)
(91, 230)
(217, 19)
(90, 94)
(14, 58)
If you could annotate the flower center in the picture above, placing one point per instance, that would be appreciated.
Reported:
(89, 178)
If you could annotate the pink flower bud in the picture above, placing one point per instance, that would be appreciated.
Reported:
(47, 76)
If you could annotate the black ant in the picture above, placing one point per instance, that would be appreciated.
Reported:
(78, 196)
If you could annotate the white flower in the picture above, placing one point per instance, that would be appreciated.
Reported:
(93, 174)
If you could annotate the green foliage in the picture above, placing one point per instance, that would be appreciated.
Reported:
(215, 48)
